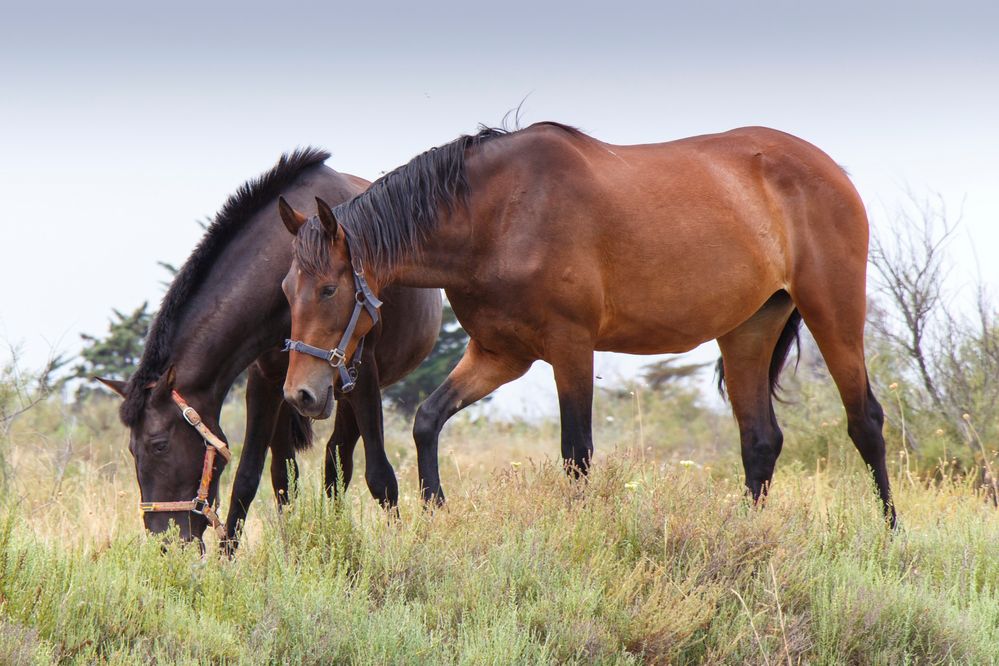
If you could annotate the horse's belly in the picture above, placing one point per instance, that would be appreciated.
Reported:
(678, 285)
(671, 344)
(662, 338)
(678, 322)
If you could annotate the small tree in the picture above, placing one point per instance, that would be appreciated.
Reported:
(413, 389)
(910, 272)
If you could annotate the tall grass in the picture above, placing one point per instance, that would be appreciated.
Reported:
(656, 558)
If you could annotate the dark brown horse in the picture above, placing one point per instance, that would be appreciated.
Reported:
(224, 312)
(551, 244)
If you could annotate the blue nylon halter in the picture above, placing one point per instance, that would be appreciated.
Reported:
(364, 299)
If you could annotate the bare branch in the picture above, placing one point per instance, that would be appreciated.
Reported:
(910, 271)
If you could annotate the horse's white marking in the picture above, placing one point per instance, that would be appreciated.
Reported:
(618, 156)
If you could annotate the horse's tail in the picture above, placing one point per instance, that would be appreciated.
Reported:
(301, 429)
(789, 336)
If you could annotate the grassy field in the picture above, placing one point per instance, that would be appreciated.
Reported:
(658, 558)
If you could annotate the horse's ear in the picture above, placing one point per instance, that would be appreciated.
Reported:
(165, 383)
(293, 220)
(114, 384)
(327, 217)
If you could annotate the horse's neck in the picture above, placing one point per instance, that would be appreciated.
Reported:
(442, 260)
(236, 314)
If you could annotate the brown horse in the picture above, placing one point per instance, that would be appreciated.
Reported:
(551, 244)
(223, 312)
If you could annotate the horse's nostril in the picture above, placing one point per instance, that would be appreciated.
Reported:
(305, 397)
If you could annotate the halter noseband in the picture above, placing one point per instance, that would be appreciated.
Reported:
(213, 446)
(364, 299)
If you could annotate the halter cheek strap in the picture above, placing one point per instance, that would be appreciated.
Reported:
(213, 446)
(364, 300)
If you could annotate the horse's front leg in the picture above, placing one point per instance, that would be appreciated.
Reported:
(366, 406)
(263, 402)
(283, 461)
(478, 373)
(340, 450)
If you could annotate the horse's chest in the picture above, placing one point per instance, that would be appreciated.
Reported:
(499, 319)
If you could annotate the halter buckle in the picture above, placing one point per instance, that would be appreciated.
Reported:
(200, 506)
(336, 357)
(194, 420)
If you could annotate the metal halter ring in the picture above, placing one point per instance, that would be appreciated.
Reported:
(336, 357)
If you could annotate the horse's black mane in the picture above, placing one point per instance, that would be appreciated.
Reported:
(391, 218)
(228, 222)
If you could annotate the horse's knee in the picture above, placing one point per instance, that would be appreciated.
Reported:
(426, 425)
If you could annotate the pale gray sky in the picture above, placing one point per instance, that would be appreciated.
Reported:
(123, 123)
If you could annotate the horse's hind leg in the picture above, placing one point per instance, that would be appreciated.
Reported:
(746, 356)
(833, 307)
(478, 373)
(572, 363)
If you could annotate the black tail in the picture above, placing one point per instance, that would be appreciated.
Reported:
(788, 337)
(301, 430)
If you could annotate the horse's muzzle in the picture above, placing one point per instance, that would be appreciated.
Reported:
(308, 403)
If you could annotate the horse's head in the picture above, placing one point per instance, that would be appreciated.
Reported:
(330, 312)
(169, 455)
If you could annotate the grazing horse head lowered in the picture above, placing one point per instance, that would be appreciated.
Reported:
(172, 446)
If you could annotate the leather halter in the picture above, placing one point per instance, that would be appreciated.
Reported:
(213, 446)
(364, 299)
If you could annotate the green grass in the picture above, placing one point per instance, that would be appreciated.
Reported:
(658, 558)
(642, 563)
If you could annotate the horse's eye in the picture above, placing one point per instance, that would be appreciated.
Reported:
(327, 291)
(160, 444)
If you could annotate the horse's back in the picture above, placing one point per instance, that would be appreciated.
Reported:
(756, 188)
(649, 227)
